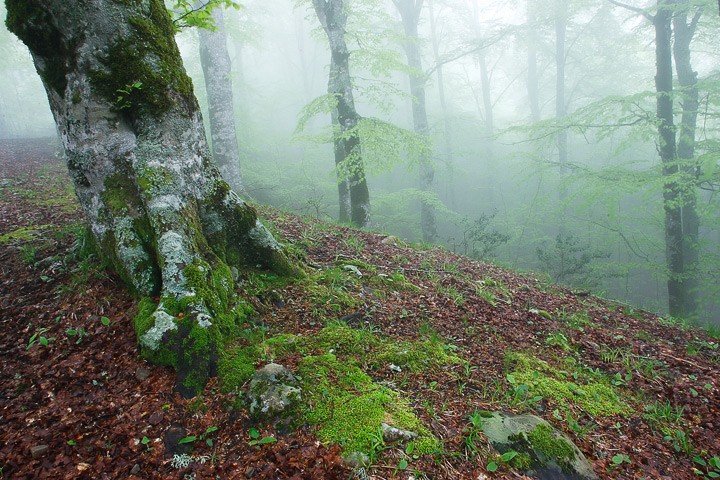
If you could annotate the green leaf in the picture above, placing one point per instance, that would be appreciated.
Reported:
(507, 456)
(189, 439)
(105, 321)
(713, 475)
(71, 331)
(253, 433)
(145, 440)
(44, 341)
(211, 429)
(618, 459)
(209, 442)
(402, 464)
(492, 467)
(410, 448)
(71, 442)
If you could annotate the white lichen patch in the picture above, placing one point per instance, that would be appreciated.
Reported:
(133, 255)
(176, 255)
(203, 320)
(163, 203)
(262, 238)
(164, 322)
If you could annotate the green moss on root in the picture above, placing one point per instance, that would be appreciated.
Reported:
(149, 56)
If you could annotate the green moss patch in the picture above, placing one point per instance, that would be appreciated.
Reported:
(349, 408)
(23, 234)
(592, 395)
(366, 348)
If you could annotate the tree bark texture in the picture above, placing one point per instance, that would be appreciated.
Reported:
(348, 155)
(560, 102)
(156, 204)
(667, 149)
(447, 128)
(687, 78)
(532, 61)
(410, 15)
(215, 62)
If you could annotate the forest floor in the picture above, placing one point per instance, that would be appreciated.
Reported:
(76, 400)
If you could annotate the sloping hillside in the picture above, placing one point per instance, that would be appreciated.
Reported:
(441, 336)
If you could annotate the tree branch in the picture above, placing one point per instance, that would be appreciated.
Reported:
(177, 21)
(637, 10)
(696, 19)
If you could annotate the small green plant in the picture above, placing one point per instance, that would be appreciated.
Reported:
(473, 431)
(255, 439)
(558, 339)
(122, 101)
(105, 321)
(679, 439)
(663, 413)
(201, 437)
(710, 468)
(79, 332)
(620, 380)
(29, 253)
(146, 441)
(618, 460)
(40, 339)
(510, 458)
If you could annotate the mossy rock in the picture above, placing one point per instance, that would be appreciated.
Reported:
(552, 455)
(273, 393)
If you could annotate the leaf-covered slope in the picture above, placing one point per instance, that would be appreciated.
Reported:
(439, 335)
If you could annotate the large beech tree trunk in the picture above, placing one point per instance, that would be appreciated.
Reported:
(348, 156)
(136, 150)
(215, 61)
(410, 14)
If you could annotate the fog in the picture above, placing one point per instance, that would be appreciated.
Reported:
(570, 189)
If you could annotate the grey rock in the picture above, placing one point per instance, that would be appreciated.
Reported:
(39, 451)
(356, 460)
(394, 434)
(273, 392)
(142, 374)
(135, 469)
(514, 432)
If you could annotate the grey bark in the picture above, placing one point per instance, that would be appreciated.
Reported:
(348, 155)
(156, 204)
(684, 31)
(410, 14)
(532, 60)
(560, 102)
(667, 149)
(447, 129)
(217, 71)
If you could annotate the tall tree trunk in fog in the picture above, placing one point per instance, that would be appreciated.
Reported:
(215, 62)
(687, 78)
(672, 197)
(348, 157)
(489, 116)
(410, 15)
(560, 102)
(157, 206)
(447, 129)
(532, 60)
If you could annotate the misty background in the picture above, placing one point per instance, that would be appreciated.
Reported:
(542, 131)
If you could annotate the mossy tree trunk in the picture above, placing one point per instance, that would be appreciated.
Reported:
(136, 150)
(348, 155)
(215, 61)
